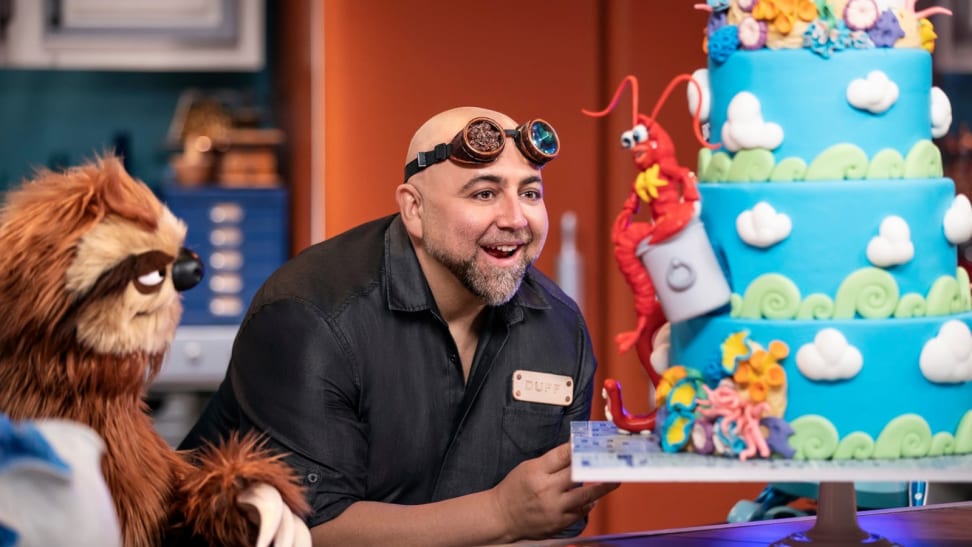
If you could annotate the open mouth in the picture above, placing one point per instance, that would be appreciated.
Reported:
(501, 251)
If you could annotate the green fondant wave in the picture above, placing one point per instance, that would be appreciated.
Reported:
(816, 306)
(857, 446)
(963, 434)
(735, 305)
(789, 170)
(717, 168)
(772, 296)
(911, 305)
(962, 276)
(886, 164)
(842, 161)
(942, 444)
(945, 296)
(907, 436)
(751, 166)
(839, 162)
(814, 438)
(923, 160)
(868, 293)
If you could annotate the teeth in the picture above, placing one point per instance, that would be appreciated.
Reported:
(505, 248)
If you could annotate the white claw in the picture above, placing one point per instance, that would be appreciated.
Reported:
(285, 533)
(302, 535)
(265, 507)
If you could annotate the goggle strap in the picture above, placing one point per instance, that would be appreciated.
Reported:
(440, 153)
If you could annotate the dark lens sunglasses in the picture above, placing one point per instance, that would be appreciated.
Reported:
(482, 141)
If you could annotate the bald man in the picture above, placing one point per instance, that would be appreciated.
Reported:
(417, 371)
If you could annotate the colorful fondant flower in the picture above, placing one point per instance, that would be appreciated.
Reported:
(746, 5)
(719, 5)
(861, 14)
(886, 30)
(752, 33)
(783, 14)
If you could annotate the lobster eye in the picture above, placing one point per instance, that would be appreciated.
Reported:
(627, 139)
(640, 133)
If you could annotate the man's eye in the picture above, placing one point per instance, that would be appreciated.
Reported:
(484, 194)
(533, 194)
(152, 279)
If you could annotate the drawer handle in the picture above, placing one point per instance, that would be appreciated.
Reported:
(226, 213)
(226, 260)
(226, 237)
(226, 283)
(224, 306)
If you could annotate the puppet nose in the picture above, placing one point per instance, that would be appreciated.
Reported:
(187, 271)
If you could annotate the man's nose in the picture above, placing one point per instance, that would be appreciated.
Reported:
(511, 213)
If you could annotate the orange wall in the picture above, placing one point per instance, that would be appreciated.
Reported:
(390, 65)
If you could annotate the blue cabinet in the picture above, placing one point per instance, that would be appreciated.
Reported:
(241, 234)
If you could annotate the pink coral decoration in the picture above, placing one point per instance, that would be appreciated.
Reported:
(726, 402)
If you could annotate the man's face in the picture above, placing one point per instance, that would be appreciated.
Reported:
(486, 224)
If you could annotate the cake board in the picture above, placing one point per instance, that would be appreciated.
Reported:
(599, 453)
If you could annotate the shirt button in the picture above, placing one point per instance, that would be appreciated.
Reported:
(313, 478)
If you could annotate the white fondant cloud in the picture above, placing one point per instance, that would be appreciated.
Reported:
(958, 220)
(947, 358)
(892, 245)
(762, 226)
(745, 128)
(702, 77)
(660, 344)
(876, 93)
(941, 112)
(829, 357)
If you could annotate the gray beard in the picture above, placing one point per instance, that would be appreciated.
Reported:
(495, 286)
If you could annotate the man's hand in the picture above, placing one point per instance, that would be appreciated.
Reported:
(537, 498)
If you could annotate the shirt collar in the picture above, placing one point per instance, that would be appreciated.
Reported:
(408, 290)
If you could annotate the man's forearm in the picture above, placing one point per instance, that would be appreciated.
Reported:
(473, 519)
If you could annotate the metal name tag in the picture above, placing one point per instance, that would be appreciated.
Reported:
(542, 387)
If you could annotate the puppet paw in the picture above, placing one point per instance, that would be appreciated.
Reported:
(278, 525)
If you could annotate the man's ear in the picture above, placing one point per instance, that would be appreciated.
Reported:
(410, 205)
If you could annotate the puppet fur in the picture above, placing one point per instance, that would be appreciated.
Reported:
(89, 310)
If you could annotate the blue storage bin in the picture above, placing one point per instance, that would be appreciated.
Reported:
(242, 236)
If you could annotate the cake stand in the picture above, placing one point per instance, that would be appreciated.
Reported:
(599, 453)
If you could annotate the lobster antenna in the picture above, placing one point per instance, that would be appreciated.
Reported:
(617, 95)
(696, 117)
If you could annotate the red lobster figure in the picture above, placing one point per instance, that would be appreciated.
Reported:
(670, 192)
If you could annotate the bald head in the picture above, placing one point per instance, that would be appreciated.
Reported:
(443, 127)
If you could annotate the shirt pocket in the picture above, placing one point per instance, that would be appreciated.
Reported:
(529, 430)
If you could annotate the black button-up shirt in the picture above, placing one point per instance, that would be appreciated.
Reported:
(344, 361)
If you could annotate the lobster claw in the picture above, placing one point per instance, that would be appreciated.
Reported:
(614, 408)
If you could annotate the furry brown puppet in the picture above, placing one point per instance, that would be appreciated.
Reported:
(90, 266)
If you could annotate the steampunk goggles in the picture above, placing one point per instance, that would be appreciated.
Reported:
(482, 141)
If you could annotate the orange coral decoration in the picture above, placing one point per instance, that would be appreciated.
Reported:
(781, 14)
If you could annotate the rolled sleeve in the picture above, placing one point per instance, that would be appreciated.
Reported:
(294, 379)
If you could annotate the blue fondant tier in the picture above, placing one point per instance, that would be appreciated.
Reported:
(889, 383)
(806, 95)
(832, 224)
